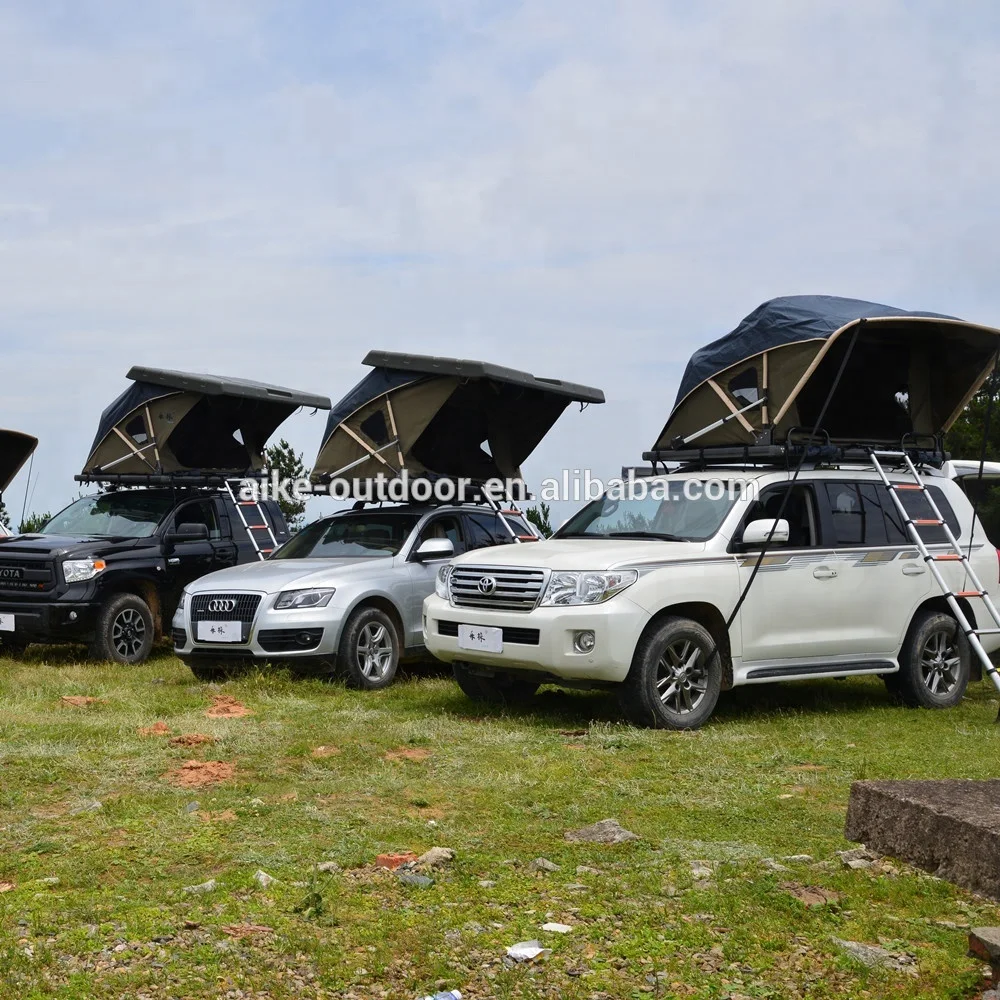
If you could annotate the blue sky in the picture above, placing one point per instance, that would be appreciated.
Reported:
(586, 191)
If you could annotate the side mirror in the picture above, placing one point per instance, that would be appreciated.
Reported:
(434, 548)
(755, 534)
(188, 532)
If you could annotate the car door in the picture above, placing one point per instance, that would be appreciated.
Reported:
(189, 560)
(423, 574)
(791, 610)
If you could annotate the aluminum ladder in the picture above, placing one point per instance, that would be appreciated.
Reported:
(913, 524)
(258, 533)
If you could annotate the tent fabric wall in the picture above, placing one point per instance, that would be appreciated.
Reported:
(15, 449)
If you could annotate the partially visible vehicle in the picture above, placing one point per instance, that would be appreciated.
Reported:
(983, 492)
(15, 449)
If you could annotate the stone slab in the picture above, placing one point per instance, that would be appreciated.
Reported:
(950, 828)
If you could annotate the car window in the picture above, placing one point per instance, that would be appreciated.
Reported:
(864, 514)
(915, 504)
(134, 514)
(847, 514)
(799, 512)
(443, 527)
(985, 496)
(200, 512)
(486, 529)
(350, 536)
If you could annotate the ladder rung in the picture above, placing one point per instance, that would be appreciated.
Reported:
(970, 593)
(948, 557)
(905, 486)
(923, 521)
(986, 631)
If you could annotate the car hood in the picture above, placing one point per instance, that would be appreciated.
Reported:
(273, 575)
(581, 553)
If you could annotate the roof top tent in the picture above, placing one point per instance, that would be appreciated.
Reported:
(909, 374)
(441, 418)
(172, 427)
(15, 449)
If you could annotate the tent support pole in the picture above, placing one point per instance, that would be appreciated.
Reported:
(136, 452)
(681, 442)
(736, 414)
(363, 459)
(395, 433)
(371, 451)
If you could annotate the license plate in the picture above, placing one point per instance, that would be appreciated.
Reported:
(6, 623)
(220, 631)
(489, 640)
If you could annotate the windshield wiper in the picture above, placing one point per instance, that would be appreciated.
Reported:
(662, 535)
(581, 534)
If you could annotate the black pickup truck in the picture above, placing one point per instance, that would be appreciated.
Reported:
(109, 569)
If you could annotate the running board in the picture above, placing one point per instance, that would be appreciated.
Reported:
(813, 669)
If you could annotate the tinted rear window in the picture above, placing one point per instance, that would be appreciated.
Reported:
(864, 514)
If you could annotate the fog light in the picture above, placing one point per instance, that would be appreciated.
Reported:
(72, 616)
(583, 642)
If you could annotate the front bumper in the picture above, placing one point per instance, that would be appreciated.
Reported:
(616, 624)
(51, 621)
(271, 635)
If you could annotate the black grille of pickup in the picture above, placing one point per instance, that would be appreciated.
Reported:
(514, 635)
(25, 574)
(289, 640)
(503, 588)
(224, 607)
(179, 636)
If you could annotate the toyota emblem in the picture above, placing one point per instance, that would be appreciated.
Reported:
(222, 604)
(487, 585)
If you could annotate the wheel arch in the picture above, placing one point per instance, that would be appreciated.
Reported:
(710, 617)
(940, 604)
(139, 587)
(383, 603)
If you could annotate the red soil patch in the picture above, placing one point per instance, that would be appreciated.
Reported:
(247, 930)
(416, 754)
(226, 816)
(7, 886)
(199, 773)
(393, 861)
(225, 707)
(322, 752)
(156, 729)
(80, 700)
(191, 740)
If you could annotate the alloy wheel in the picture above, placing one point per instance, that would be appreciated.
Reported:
(374, 650)
(940, 663)
(682, 677)
(128, 633)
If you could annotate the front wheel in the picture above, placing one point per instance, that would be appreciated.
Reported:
(124, 631)
(934, 663)
(675, 678)
(369, 650)
(500, 689)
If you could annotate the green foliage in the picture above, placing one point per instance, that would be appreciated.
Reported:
(539, 517)
(4, 516)
(283, 459)
(34, 522)
(965, 439)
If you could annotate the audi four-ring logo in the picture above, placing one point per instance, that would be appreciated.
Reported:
(487, 585)
(222, 604)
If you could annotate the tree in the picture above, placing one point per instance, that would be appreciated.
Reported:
(33, 523)
(4, 516)
(282, 458)
(539, 517)
(965, 439)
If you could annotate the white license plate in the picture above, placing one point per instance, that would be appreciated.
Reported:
(220, 631)
(6, 623)
(489, 640)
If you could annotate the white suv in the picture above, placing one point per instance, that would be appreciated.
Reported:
(637, 593)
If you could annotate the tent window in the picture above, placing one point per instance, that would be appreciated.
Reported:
(744, 387)
(375, 429)
(136, 430)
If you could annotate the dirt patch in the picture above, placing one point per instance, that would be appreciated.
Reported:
(191, 740)
(289, 797)
(226, 816)
(156, 729)
(199, 773)
(393, 861)
(226, 707)
(809, 894)
(415, 754)
(809, 767)
(80, 700)
(7, 886)
(321, 752)
(247, 930)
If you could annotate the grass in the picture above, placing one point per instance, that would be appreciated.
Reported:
(767, 778)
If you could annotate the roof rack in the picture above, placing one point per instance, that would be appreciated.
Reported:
(190, 478)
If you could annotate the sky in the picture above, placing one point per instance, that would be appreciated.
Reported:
(583, 190)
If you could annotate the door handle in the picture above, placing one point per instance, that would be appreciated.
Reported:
(824, 573)
(913, 569)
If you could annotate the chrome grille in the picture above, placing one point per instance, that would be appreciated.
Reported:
(244, 607)
(515, 589)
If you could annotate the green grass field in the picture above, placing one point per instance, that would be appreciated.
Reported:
(92, 900)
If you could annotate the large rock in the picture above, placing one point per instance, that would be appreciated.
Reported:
(950, 828)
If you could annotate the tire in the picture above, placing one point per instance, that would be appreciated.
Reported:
(500, 689)
(934, 663)
(13, 647)
(672, 684)
(369, 650)
(124, 630)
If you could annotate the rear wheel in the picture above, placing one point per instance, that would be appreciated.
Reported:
(124, 631)
(369, 649)
(675, 678)
(500, 689)
(934, 664)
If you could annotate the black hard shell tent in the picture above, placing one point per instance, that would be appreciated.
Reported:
(909, 373)
(441, 417)
(15, 449)
(175, 422)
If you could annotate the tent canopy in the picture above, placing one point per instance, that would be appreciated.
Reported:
(177, 422)
(441, 417)
(909, 372)
(15, 449)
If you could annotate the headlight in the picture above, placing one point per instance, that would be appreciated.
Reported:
(78, 570)
(182, 603)
(587, 587)
(441, 582)
(291, 599)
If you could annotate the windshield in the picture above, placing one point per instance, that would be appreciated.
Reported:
(350, 536)
(134, 515)
(668, 513)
